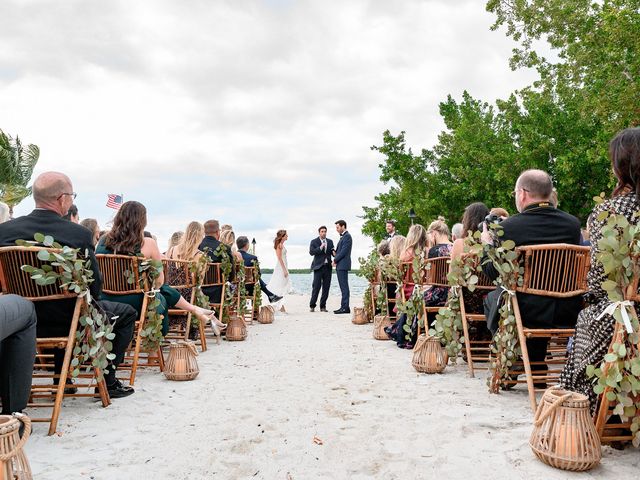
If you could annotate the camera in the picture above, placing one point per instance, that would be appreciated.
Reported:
(489, 219)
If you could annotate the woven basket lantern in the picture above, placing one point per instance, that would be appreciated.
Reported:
(181, 363)
(266, 314)
(236, 329)
(13, 462)
(564, 435)
(379, 324)
(428, 355)
(359, 316)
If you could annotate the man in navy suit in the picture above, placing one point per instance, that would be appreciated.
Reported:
(321, 249)
(342, 262)
(243, 246)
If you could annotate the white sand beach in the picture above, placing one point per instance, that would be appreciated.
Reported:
(257, 405)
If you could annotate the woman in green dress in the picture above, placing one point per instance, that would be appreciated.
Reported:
(127, 238)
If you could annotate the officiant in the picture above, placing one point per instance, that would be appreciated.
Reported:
(321, 248)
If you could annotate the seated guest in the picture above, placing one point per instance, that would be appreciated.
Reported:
(474, 215)
(92, 225)
(439, 234)
(456, 231)
(126, 237)
(17, 351)
(414, 246)
(174, 240)
(214, 248)
(396, 247)
(383, 248)
(72, 215)
(594, 331)
(187, 249)
(53, 194)
(4, 212)
(538, 222)
(228, 237)
(248, 260)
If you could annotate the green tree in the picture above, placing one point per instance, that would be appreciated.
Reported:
(16, 167)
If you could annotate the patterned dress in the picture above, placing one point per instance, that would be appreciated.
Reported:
(594, 335)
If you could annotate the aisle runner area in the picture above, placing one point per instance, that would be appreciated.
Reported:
(257, 405)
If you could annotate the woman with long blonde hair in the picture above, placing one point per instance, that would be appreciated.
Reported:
(228, 237)
(280, 283)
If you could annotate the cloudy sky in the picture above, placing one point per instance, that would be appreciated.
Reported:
(256, 113)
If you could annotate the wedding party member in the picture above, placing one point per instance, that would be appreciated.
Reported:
(17, 351)
(390, 226)
(126, 237)
(594, 329)
(53, 194)
(538, 222)
(249, 261)
(342, 262)
(280, 282)
(320, 249)
(215, 250)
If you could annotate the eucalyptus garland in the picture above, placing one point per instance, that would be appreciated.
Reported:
(95, 334)
(505, 348)
(226, 266)
(149, 272)
(618, 376)
(414, 305)
(198, 269)
(257, 294)
(241, 286)
(390, 270)
(369, 269)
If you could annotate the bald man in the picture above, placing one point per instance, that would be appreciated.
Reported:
(53, 195)
(538, 222)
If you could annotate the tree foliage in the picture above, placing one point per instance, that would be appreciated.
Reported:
(16, 167)
(562, 123)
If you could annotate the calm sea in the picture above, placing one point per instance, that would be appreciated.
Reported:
(301, 283)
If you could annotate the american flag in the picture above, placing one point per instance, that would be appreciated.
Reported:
(114, 201)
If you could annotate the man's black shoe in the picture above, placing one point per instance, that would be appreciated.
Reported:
(118, 390)
(312, 309)
(275, 299)
(70, 388)
(342, 310)
(323, 309)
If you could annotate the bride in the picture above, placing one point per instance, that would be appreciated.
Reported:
(280, 283)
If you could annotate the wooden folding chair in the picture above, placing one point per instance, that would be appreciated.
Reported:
(385, 285)
(434, 274)
(413, 282)
(213, 277)
(179, 275)
(15, 281)
(477, 350)
(121, 276)
(250, 284)
(558, 271)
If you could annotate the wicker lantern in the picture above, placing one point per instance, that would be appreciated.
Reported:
(428, 355)
(564, 435)
(359, 316)
(13, 462)
(181, 363)
(379, 324)
(236, 328)
(266, 314)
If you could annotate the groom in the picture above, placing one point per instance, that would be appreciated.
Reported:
(321, 249)
(342, 262)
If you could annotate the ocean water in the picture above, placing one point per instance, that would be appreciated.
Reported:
(301, 283)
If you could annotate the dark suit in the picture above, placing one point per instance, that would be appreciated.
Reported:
(321, 266)
(249, 261)
(210, 245)
(17, 351)
(538, 224)
(343, 265)
(54, 316)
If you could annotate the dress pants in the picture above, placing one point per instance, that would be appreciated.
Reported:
(17, 351)
(343, 281)
(123, 327)
(321, 278)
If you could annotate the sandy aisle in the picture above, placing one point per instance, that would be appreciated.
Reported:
(256, 406)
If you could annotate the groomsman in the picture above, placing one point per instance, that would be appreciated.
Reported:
(321, 249)
(390, 226)
(342, 262)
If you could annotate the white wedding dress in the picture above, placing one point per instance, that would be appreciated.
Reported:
(279, 284)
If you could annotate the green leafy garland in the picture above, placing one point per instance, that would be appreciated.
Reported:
(505, 347)
(390, 270)
(241, 286)
(462, 274)
(226, 266)
(369, 270)
(257, 293)
(95, 334)
(198, 269)
(618, 376)
(149, 271)
(414, 305)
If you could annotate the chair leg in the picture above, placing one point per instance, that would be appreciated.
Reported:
(525, 353)
(101, 385)
(467, 342)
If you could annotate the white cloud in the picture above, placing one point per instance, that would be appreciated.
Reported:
(258, 113)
